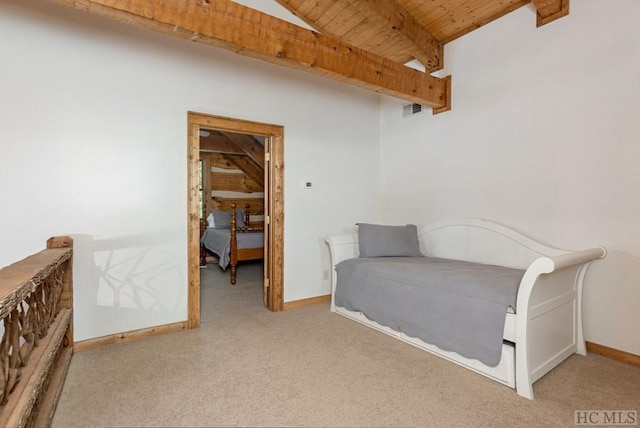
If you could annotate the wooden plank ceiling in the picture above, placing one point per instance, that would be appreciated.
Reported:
(403, 30)
(242, 151)
(361, 42)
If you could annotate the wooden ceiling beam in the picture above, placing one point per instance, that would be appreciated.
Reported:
(216, 142)
(232, 26)
(249, 145)
(550, 10)
(248, 166)
(426, 48)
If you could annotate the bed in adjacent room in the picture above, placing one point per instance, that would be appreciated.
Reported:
(230, 236)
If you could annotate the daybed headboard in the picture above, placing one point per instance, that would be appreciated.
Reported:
(481, 241)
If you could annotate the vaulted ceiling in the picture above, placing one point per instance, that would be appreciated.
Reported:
(403, 30)
(361, 42)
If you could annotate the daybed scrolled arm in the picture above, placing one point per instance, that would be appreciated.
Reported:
(528, 308)
(550, 264)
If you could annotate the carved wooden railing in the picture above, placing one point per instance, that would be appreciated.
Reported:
(36, 302)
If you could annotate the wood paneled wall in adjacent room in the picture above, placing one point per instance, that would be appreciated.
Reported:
(224, 183)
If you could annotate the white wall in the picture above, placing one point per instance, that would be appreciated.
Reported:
(93, 135)
(543, 136)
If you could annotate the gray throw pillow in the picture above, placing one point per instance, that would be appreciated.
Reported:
(222, 219)
(239, 218)
(378, 240)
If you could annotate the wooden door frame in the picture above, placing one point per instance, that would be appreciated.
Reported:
(275, 204)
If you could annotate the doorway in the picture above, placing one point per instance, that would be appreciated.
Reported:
(273, 206)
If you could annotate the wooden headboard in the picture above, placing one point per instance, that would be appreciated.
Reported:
(256, 205)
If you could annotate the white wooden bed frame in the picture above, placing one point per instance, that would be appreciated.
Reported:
(547, 325)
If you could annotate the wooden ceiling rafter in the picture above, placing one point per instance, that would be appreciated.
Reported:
(238, 150)
(217, 142)
(232, 26)
(248, 166)
(249, 145)
(347, 19)
(364, 43)
(424, 47)
(550, 10)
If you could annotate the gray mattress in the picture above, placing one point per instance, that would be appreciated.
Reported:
(458, 306)
(218, 241)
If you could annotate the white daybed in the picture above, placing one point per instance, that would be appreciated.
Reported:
(546, 327)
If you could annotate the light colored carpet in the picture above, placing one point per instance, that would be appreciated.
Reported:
(246, 366)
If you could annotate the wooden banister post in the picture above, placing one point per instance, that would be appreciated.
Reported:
(66, 297)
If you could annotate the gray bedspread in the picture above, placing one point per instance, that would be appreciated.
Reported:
(218, 241)
(458, 306)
